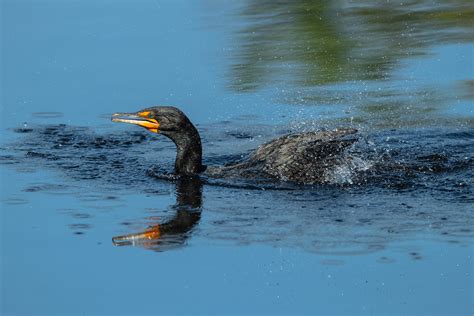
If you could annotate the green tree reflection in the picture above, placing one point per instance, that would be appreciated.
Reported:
(320, 42)
(302, 45)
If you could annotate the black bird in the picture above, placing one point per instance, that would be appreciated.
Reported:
(302, 158)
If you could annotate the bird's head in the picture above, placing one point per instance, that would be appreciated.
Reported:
(174, 124)
(166, 120)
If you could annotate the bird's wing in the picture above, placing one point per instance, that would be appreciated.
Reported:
(294, 144)
(303, 156)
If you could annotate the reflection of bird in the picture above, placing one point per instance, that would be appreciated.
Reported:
(175, 231)
(302, 158)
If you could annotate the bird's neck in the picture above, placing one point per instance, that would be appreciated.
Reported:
(189, 152)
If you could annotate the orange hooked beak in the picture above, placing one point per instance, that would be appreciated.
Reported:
(142, 119)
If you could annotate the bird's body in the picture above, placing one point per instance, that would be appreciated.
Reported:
(301, 158)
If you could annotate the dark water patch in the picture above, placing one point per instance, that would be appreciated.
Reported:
(49, 188)
(22, 130)
(467, 134)
(453, 241)
(240, 135)
(386, 260)
(95, 197)
(247, 117)
(8, 159)
(81, 215)
(77, 220)
(152, 210)
(47, 115)
(33, 154)
(416, 256)
(79, 153)
(25, 169)
(433, 158)
(80, 226)
(15, 201)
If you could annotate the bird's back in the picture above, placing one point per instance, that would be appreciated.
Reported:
(302, 158)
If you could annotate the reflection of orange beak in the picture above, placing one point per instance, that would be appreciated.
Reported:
(140, 119)
(150, 234)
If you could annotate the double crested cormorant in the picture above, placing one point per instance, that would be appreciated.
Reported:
(302, 158)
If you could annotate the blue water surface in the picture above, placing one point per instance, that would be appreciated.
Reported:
(246, 72)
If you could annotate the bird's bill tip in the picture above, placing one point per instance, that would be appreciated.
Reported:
(132, 118)
(153, 233)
